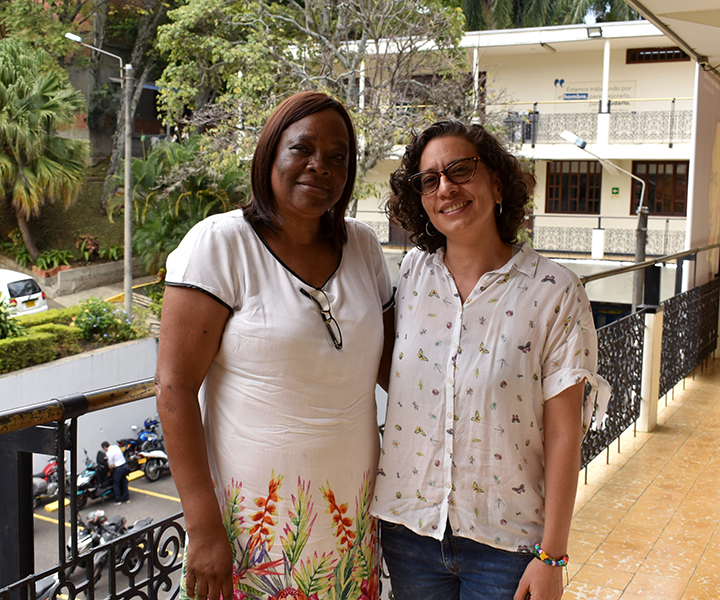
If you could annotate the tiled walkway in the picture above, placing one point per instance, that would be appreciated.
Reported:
(646, 525)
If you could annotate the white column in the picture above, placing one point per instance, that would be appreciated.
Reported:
(652, 351)
(603, 130)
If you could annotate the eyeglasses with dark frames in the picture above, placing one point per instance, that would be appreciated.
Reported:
(458, 172)
(321, 300)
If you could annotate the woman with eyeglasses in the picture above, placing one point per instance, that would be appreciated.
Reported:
(495, 346)
(272, 333)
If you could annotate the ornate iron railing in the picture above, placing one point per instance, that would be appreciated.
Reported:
(690, 328)
(636, 127)
(142, 564)
(617, 241)
(620, 362)
(657, 126)
(539, 128)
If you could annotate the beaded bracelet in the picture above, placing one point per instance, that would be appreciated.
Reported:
(545, 557)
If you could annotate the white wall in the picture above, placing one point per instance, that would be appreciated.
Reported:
(704, 205)
(91, 371)
(531, 77)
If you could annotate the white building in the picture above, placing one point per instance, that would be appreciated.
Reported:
(639, 100)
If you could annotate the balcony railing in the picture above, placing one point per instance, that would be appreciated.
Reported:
(553, 232)
(646, 125)
(640, 365)
(144, 563)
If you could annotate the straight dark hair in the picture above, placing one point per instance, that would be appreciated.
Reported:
(262, 208)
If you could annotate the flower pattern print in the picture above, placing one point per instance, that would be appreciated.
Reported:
(464, 428)
(350, 572)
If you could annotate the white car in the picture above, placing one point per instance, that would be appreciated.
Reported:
(22, 293)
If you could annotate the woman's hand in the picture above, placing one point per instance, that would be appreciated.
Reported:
(209, 566)
(540, 582)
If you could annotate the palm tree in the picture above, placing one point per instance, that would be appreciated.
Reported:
(36, 165)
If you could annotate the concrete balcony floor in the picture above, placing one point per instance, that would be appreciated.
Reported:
(646, 525)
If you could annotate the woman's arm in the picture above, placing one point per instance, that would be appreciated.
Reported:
(191, 331)
(386, 359)
(563, 438)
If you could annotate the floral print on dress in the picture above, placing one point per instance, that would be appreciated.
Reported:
(350, 572)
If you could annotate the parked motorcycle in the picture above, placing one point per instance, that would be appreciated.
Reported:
(99, 531)
(147, 439)
(150, 438)
(47, 587)
(46, 483)
(130, 448)
(91, 483)
(156, 463)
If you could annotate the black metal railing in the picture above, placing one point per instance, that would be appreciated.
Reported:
(144, 563)
(620, 362)
(141, 564)
(651, 127)
(690, 329)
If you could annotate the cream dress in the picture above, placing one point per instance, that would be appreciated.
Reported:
(290, 421)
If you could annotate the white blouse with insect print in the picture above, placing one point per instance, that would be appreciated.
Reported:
(463, 437)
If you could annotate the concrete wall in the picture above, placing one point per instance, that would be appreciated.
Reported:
(115, 365)
(84, 278)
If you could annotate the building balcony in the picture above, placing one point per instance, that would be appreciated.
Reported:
(645, 516)
(629, 127)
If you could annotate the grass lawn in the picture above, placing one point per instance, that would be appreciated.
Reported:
(58, 228)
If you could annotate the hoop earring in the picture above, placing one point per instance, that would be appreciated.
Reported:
(427, 229)
(498, 208)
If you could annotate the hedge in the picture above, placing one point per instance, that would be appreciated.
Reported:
(26, 351)
(67, 339)
(61, 316)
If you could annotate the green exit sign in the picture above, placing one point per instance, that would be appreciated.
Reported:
(615, 191)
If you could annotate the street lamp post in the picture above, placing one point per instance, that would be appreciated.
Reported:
(642, 213)
(127, 81)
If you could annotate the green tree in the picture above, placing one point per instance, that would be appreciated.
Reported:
(171, 192)
(37, 165)
(42, 24)
(506, 14)
(395, 65)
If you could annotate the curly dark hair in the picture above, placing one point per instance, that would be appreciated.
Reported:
(404, 206)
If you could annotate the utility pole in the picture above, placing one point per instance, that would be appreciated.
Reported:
(128, 275)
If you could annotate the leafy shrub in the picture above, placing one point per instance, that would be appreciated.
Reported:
(60, 316)
(16, 248)
(9, 326)
(26, 351)
(49, 259)
(156, 293)
(114, 252)
(98, 320)
(88, 245)
(67, 339)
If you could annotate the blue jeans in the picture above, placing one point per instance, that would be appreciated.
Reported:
(120, 483)
(456, 568)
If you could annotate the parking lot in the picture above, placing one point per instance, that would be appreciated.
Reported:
(157, 500)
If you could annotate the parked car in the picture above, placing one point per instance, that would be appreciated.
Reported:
(22, 293)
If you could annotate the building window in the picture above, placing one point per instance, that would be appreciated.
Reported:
(666, 184)
(573, 186)
(655, 55)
